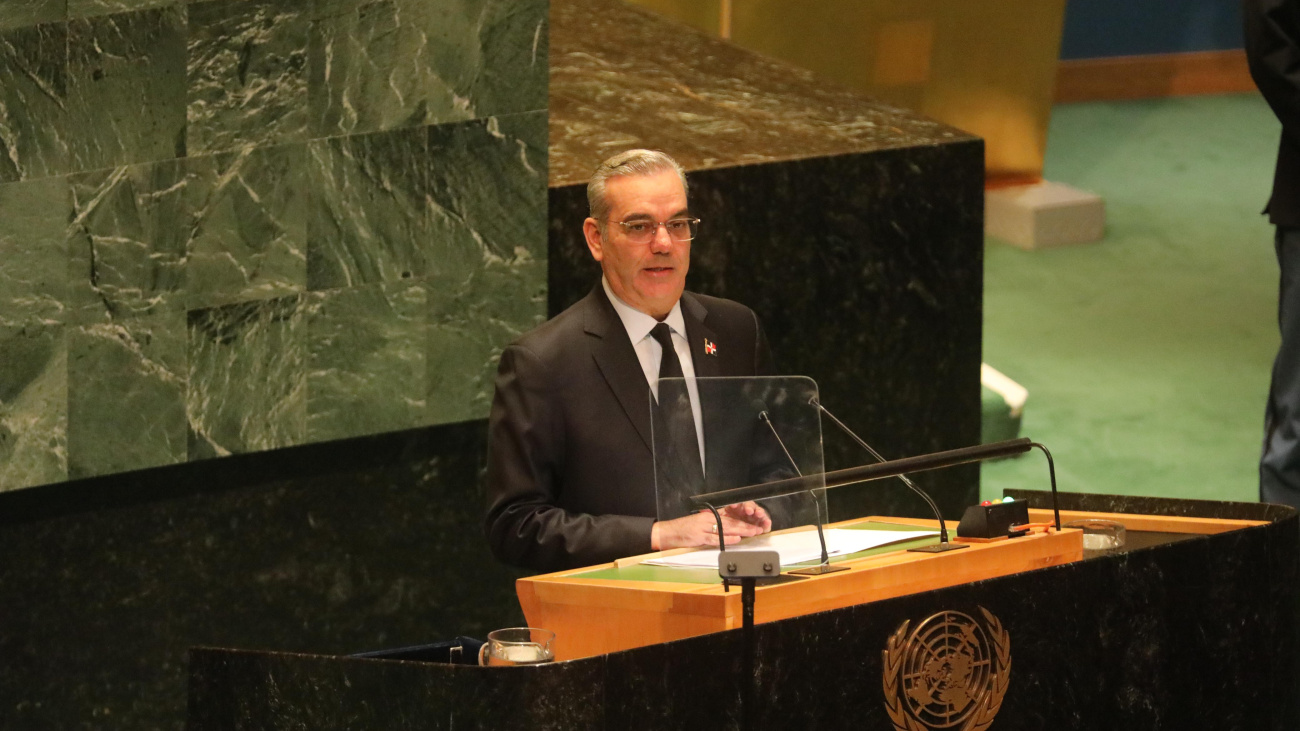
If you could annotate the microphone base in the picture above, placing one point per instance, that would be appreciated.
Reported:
(938, 548)
(819, 570)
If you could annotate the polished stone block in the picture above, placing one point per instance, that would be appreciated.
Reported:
(470, 324)
(33, 404)
(247, 225)
(369, 213)
(126, 88)
(126, 395)
(247, 73)
(387, 64)
(127, 242)
(33, 99)
(247, 384)
(22, 13)
(487, 184)
(488, 283)
(33, 251)
(366, 359)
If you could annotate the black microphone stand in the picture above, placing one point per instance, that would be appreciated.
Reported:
(825, 566)
(943, 544)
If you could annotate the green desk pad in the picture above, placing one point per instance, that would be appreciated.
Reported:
(645, 572)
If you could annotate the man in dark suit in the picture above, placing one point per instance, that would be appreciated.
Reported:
(571, 465)
(1273, 50)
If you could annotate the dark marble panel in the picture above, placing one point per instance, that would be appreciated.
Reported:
(867, 273)
(127, 242)
(22, 13)
(369, 214)
(33, 405)
(126, 88)
(247, 73)
(89, 8)
(126, 395)
(386, 64)
(488, 281)
(33, 97)
(366, 359)
(247, 225)
(33, 251)
(328, 548)
(622, 77)
(487, 182)
(470, 324)
(243, 690)
(247, 377)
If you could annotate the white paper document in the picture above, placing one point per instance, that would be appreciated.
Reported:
(797, 547)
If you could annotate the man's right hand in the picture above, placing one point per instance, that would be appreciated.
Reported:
(700, 529)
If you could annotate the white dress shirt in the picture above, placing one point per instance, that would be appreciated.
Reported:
(638, 325)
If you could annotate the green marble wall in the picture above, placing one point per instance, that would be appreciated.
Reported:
(236, 225)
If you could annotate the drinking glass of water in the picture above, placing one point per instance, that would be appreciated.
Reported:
(517, 646)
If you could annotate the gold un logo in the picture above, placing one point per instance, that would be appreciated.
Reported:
(951, 672)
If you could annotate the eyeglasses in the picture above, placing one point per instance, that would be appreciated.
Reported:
(643, 232)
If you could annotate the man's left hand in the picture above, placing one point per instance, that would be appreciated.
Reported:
(749, 512)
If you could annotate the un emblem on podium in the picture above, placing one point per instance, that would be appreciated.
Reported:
(951, 672)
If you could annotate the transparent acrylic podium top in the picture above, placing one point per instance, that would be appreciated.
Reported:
(756, 430)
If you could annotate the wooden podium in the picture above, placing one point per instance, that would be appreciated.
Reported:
(1192, 624)
(626, 604)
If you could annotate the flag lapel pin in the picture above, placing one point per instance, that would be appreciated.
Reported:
(709, 347)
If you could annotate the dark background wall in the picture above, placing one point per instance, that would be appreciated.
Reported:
(1099, 28)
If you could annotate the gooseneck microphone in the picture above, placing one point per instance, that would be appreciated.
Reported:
(944, 545)
(825, 566)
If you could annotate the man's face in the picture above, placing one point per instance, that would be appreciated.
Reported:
(649, 277)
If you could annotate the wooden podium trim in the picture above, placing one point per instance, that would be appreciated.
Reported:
(597, 616)
(1151, 523)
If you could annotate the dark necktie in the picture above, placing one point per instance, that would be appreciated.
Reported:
(675, 411)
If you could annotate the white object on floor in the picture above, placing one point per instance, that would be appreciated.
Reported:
(1044, 214)
(1011, 392)
(797, 547)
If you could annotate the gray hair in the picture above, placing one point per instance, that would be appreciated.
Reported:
(631, 162)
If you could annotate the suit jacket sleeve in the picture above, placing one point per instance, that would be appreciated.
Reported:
(525, 524)
(1272, 39)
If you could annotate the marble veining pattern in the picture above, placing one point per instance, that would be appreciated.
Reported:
(89, 8)
(126, 395)
(366, 359)
(247, 225)
(247, 377)
(33, 101)
(384, 64)
(369, 213)
(33, 405)
(247, 73)
(33, 251)
(126, 87)
(21, 13)
(126, 242)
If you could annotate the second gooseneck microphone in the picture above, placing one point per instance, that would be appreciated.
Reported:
(944, 544)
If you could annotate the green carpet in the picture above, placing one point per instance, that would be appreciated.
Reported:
(1146, 355)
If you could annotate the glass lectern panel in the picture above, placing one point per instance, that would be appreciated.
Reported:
(753, 431)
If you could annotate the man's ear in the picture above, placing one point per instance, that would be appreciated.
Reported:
(595, 245)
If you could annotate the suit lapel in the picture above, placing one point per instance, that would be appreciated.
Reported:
(706, 366)
(617, 361)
